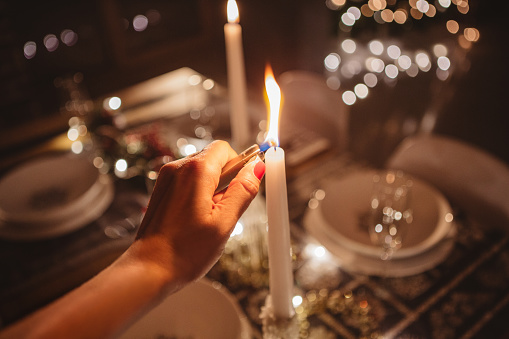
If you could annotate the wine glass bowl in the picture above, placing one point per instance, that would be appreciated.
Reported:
(390, 213)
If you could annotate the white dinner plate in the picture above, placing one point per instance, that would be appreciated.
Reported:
(51, 196)
(355, 262)
(48, 188)
(203, 309)
(348, 200)
(336, 223)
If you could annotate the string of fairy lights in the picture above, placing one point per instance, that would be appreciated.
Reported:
(359, 64)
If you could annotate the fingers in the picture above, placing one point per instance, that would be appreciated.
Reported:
(199, 173)
(192, 179)
(241, 191)
(210, 162)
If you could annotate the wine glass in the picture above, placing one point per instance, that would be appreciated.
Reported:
(391, 213)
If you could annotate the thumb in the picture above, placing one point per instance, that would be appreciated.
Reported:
(241, 191)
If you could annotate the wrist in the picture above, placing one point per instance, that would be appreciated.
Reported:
(152, 258)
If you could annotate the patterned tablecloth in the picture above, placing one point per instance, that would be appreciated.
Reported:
(466, 296)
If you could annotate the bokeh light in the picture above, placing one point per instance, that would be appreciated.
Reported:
(445, 3)
(443, 63)
(332, 62)
(68, 37)
(140, 23)
(361, 90)
(400, 16)
(377, 5)
(77, 147)
(30, 49)
(50, 42)
(391, 71)
(114, 103)
(452, 26)
(471, 34)
(348, 19)
(404, 62)
(349, 46)
(439, 50)
(376, 47)
(394, 52)
(370, 80)
(333, 83)
(422, 6)
(356, 12)
(349, 97)
(387, 15)
(375, 65)
(423, 61)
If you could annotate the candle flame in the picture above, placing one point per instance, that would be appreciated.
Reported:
(232, 11)
(274, 96)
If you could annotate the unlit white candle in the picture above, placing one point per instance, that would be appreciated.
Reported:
(280, 260)
(237, 92)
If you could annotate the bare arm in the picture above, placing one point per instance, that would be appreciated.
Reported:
(181, 237)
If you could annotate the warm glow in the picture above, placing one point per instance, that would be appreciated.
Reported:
(387, 15)
(376, 47)
(394, 52)
(114, 103)
(297, 300)
(140, 23)
(121, 165)
(471, 34)
(391, 71)
(239, 228)
(68, 37)
(361, 91)
(232, 11)
(30, 49)
(400, 16)
(348, 19)
(370, 79)
(50, 42)
(332, 62)
(274, 96)
(349, 97)
(355, 12)
(348, 46)
(452, 26)
(77, 147)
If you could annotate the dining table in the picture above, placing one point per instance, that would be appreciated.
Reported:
(457, 286)
(465, 294)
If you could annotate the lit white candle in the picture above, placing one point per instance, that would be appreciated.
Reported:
(237, 92)
(280, 260)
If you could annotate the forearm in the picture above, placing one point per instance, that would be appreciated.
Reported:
(102, 306)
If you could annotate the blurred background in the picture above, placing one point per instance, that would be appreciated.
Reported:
(359, 78)
(113, 44)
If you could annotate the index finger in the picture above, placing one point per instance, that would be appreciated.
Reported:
(215, 156)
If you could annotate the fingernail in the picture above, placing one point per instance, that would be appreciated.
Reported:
(259, 169)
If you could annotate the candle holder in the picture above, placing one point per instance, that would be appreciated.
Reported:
(318, 305)
(278, 328)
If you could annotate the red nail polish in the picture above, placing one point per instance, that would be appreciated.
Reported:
(259, 170)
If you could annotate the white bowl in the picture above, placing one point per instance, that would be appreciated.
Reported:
(52, 195)
(348, 199)
(49, 189)
(203, 309)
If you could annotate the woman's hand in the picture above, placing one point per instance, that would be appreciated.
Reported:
(186, 225)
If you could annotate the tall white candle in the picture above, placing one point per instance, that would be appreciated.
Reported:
(237, 92)
(280, 260)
